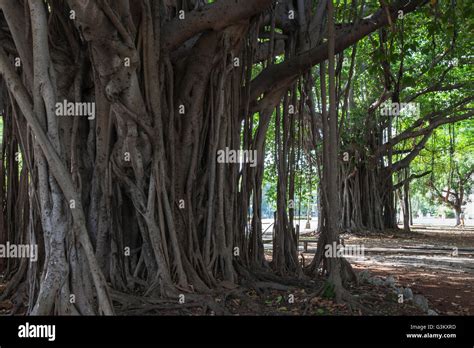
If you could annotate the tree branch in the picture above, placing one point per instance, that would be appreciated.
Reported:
(290, 69)
(214, 16)
(410, 178)
(434, 122)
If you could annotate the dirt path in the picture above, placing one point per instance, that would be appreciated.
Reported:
(437, 263)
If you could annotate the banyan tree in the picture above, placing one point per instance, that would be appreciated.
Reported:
(113, 114)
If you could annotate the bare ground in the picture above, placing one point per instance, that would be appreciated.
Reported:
(444, 274)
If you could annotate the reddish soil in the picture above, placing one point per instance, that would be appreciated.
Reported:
(449, 291)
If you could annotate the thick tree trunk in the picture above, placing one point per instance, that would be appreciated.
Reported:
(457, 214)
(406, 206)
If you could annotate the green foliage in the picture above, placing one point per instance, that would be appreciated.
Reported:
(430, 48)
(328, 292)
